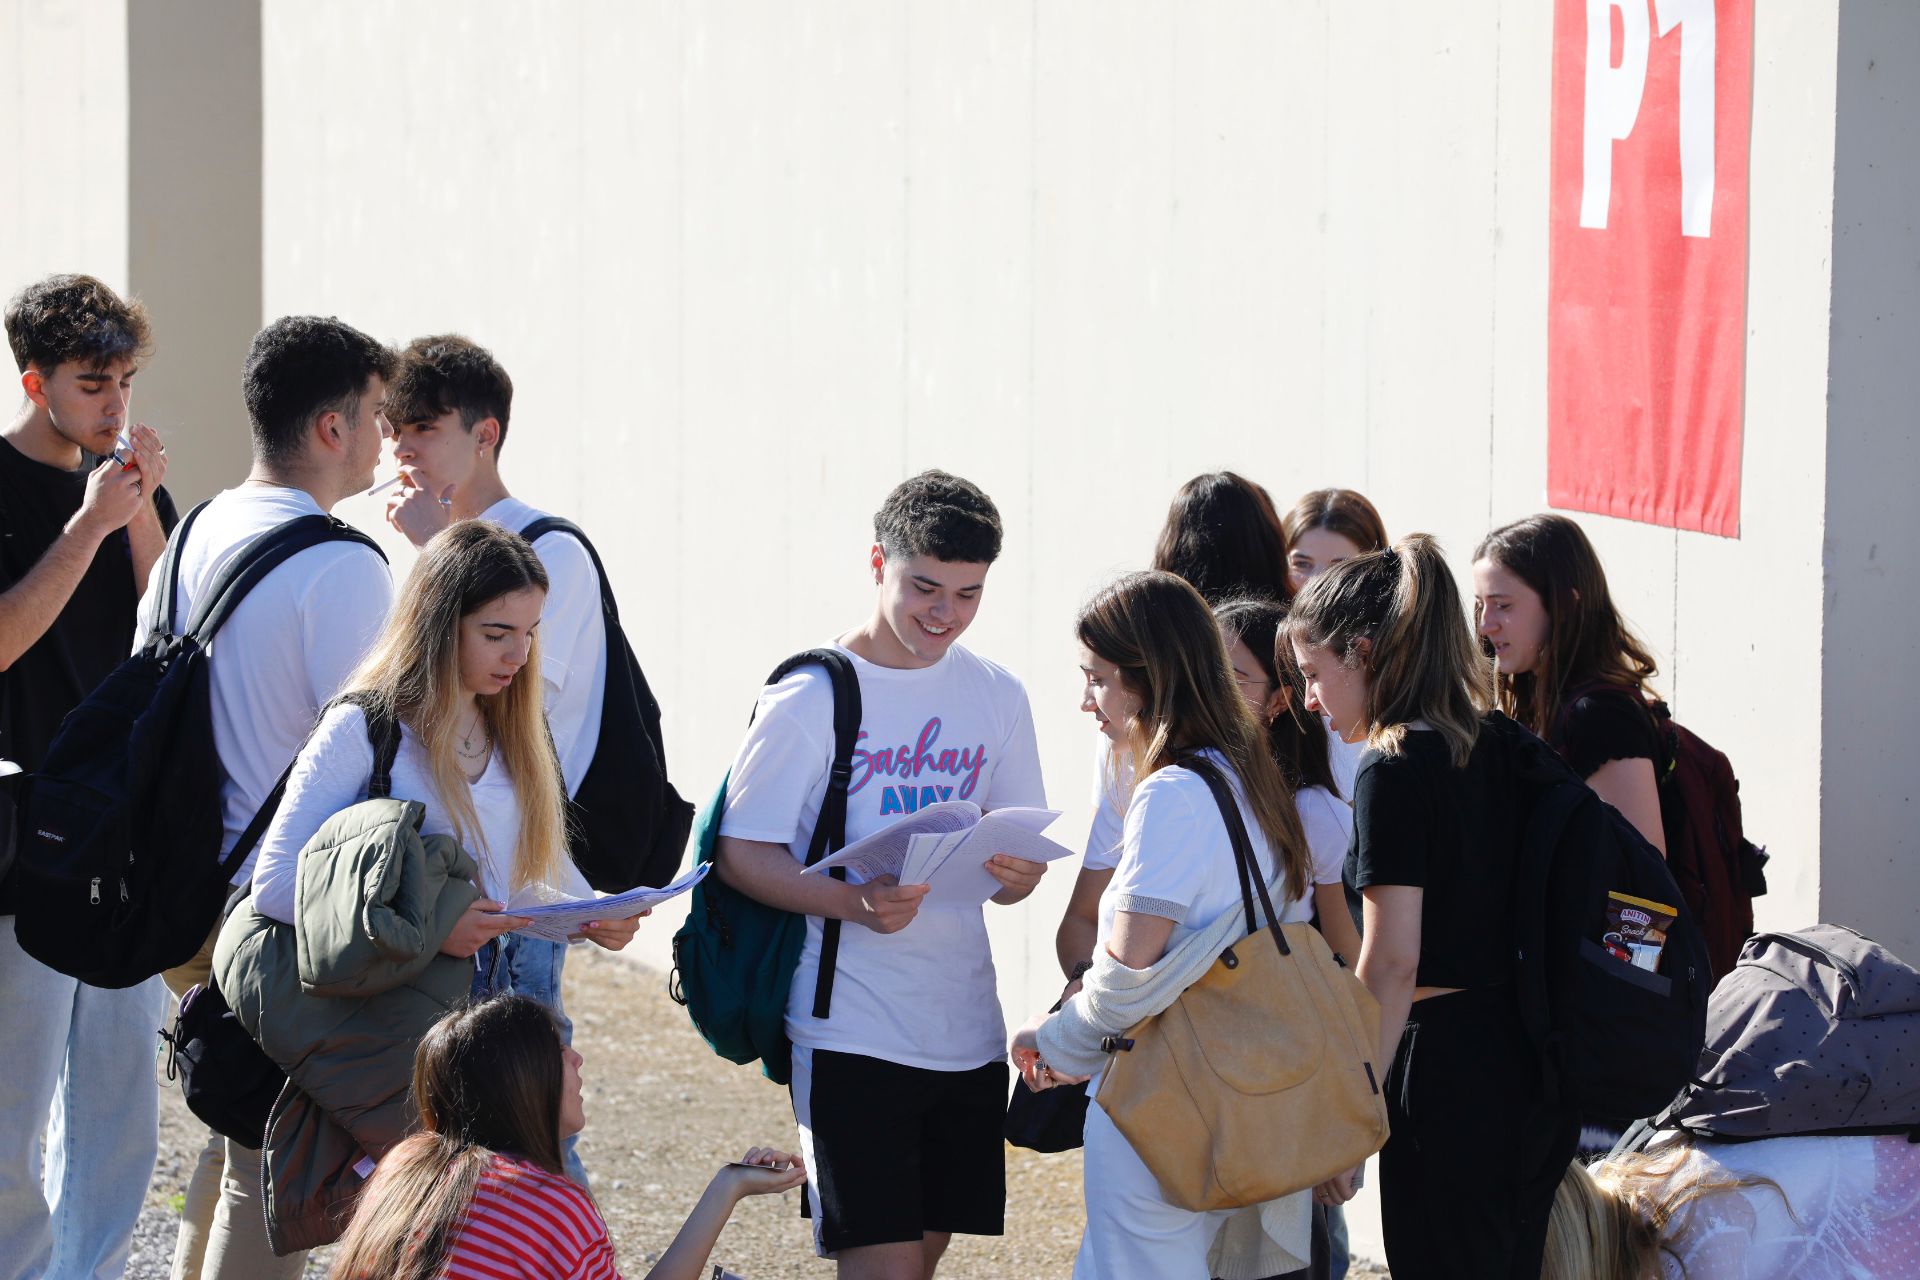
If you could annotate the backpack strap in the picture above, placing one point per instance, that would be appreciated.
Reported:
(830, 831)
(260, 556)
(554, 524)
(383, 734)
(1245, 861)
(165, 604)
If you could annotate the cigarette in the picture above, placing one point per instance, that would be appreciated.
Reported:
(385, 485)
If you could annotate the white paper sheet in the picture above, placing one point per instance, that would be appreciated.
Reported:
(954, 863)
(558, 921)
(885, 851)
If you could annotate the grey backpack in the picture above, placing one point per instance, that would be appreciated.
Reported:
(1814, 1032)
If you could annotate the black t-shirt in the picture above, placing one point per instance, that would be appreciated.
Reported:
(92, 635)
(1602, 724)
(1455, 834)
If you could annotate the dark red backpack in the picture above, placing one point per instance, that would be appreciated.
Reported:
(1719, 870)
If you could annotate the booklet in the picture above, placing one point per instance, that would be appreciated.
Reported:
(946, 846)
(557, 920)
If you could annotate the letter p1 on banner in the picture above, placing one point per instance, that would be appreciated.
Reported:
(1647, 271)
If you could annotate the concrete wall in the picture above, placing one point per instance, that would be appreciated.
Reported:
(63, 130)
(194, 223)
(751, 268)
(751, 265)
(1871, 696)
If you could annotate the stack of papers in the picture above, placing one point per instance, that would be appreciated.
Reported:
(557, 921)
(947, 846)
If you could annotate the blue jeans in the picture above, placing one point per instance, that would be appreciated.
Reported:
(76, 1062)
(530, 967)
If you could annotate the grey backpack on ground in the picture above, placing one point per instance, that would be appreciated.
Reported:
(1814, 1032)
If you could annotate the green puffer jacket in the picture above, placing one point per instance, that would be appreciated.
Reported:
(340, 999)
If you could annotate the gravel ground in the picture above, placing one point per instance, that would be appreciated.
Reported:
(662, 1113)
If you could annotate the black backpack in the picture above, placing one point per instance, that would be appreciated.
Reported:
(119, 875)
(627, 826)
(227, 1079)
(1614, 1041)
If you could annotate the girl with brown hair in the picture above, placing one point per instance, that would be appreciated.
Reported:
(1270, 685)
(1570, 668)
(480, 1191)
(1476, 1149)
(1158, 678)
(1223, 535)
(1325, 527)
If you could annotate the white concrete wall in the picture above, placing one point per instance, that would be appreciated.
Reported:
(1871, 696)
(63, 130)
(749, 266)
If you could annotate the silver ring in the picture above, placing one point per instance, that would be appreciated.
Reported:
(446, 502)
(136, 488)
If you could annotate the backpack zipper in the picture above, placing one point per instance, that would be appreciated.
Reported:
(93, 894)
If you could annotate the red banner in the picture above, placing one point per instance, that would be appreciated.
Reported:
(1647, 270)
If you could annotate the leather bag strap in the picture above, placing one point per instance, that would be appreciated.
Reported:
(1245, 861)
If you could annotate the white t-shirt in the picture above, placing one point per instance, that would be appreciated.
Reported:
(1111, 785)
(1328, 823)
(287, 648)
(958, 730)
(573, 639)
(332, 774)
(1343, 758)
(1176, 859)
(1837, 1208)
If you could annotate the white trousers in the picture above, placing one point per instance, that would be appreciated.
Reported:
(1132, 1232)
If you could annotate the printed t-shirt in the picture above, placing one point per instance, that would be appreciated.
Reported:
(285, 651)
(89, 636)
(573, 639)
(528, 1224)
(1454, 833)
(1603, 725)
(958, 730)
(332, 774)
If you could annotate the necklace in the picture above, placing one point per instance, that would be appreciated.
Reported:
(467, 750)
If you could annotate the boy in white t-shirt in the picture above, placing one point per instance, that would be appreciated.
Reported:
(900, 1091)
(449, 408)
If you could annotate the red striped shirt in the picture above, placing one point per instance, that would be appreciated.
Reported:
(528, 1224)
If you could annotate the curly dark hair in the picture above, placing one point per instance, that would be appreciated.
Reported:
(939, 515)
(447, 372)
(77, 318)
(300, 367)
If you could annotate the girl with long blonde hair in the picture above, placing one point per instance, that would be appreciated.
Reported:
(446, 675)
(1476, 1148)
(1159, 682)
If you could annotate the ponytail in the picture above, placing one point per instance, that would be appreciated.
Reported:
(1421, 660)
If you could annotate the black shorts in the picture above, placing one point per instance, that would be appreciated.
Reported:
(894, 1152)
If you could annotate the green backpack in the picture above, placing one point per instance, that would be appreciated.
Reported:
(734, 958)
